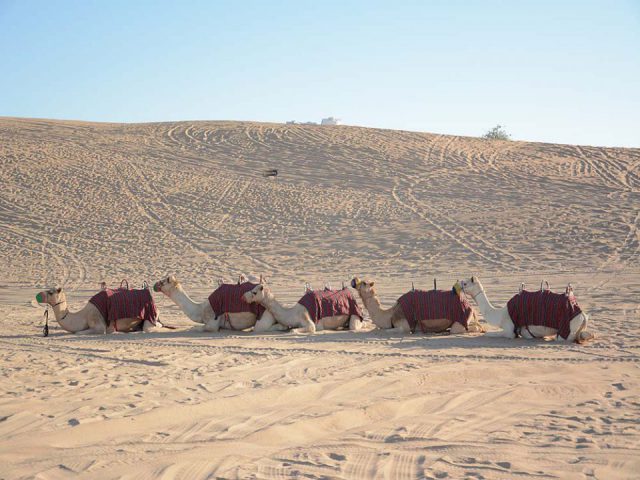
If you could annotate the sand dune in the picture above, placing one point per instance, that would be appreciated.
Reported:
(82, 203)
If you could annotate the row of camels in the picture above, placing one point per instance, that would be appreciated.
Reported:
(250, 303)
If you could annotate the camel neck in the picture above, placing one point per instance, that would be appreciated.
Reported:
(69, 321)
(186, 304)
(60, 311)
(372, 304)
(270, 303)
(484, 304)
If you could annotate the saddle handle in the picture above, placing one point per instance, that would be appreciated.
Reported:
(124, 281)
(220, 282)
(569, 291)
(543, 284)
(103, 285)
(521, 288)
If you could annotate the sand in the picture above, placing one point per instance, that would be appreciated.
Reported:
(82, 203)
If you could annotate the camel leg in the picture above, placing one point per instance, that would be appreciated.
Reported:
(355, 323)
(278, 327)
(212, 325)
(149, 327)
(578, 330)
(97, 326)
(306, 324)
(475, 328)
(473, 324)
(267, 323)
(457, 328)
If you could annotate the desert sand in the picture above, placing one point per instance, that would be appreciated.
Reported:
(82, 203)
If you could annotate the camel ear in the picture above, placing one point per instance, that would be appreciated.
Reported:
(372, 284)
(172, 279)
(59, 290)
(473, 279)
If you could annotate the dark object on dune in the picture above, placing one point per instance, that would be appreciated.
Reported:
(270, 173)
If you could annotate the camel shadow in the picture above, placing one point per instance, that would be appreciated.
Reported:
(437, 341)
(374, 338)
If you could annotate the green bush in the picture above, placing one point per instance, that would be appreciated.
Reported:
(497, 133)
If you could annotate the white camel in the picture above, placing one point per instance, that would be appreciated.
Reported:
(90, 320)
(299, 317)
(575, 327)
(203, 312)
(394, 319)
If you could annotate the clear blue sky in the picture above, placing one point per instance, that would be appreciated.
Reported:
(559, 71)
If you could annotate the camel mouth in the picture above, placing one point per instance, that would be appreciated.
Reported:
(39, 298)
(156, 287)
(355, 283)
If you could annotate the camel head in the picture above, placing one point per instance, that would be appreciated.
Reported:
(257, 294)
(364, 288)
(53, 296)
(471, 286)
(166, 285)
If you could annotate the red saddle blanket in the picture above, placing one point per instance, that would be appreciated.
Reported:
(227, 298)
(420, 305)
(330, 303)
(123, 303)
(545, 309)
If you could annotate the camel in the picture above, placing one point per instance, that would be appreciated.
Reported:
(459, 316)
(240, 318)
(96, 317)
(308, 315)
(570, 325)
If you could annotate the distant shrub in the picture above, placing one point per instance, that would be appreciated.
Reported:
(497, 133)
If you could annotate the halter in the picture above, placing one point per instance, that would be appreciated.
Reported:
(466, 293)
(45, 329)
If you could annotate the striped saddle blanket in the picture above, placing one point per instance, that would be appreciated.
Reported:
(545, 309)
(124, 303)
(330, 303)
(227, 298)
(420, 305)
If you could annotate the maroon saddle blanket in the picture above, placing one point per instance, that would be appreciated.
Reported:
(227, 298)
(330, 303)
(420, 305)
(124, 303)
(545, 309)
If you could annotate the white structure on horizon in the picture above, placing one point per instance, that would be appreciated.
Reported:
(330, 121)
